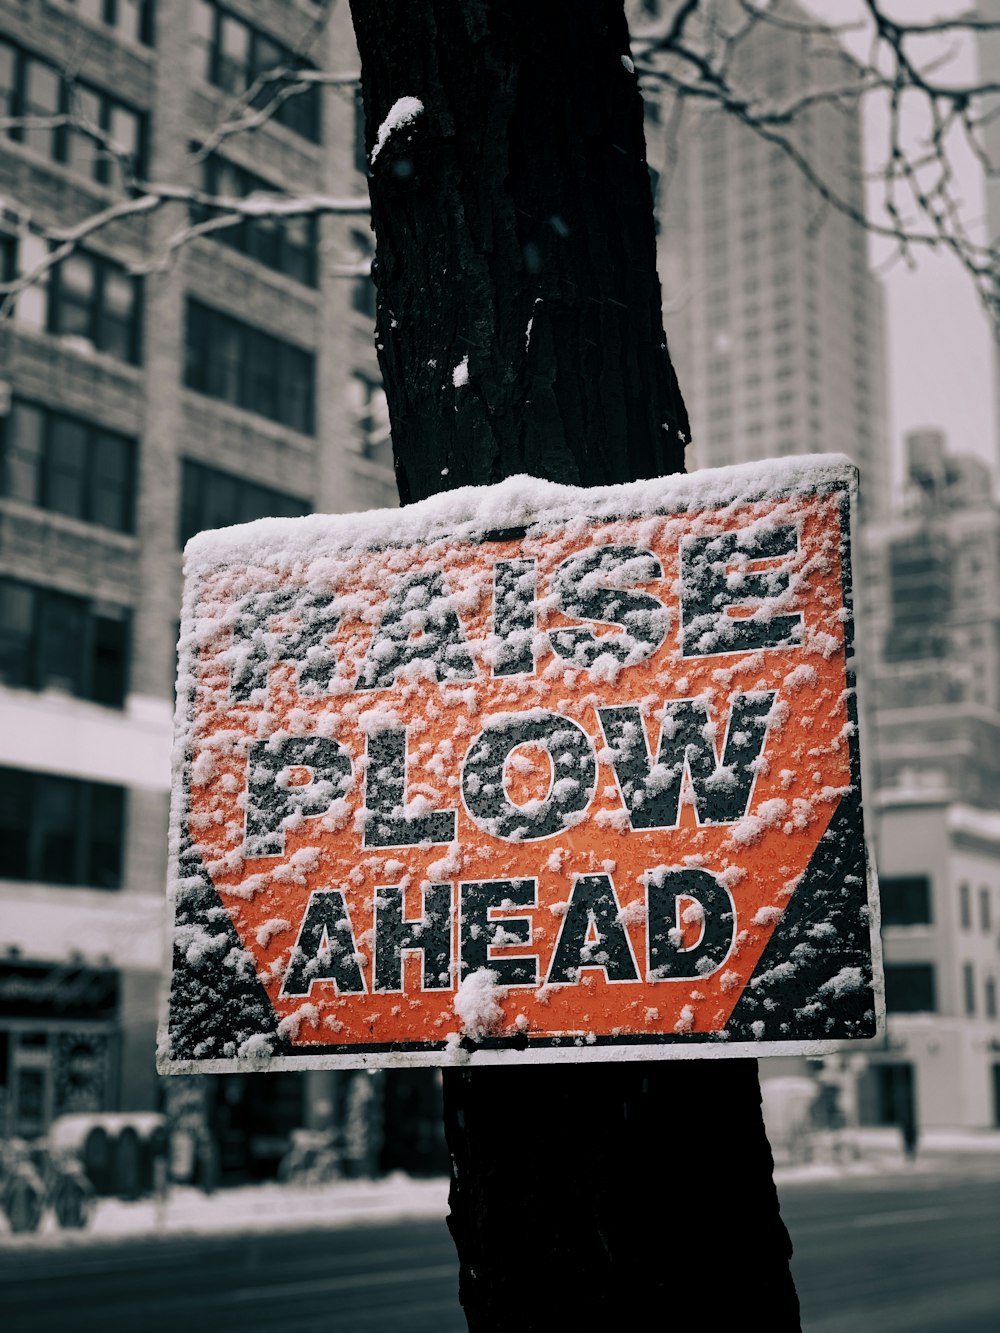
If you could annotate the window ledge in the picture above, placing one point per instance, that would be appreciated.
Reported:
(244, 419)
(82, 351)
(221, 101)
(101, 195)
(108, 31)
(258, 270)
(124, 541)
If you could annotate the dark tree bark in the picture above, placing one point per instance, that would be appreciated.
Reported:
(513, 221)
(514, 226)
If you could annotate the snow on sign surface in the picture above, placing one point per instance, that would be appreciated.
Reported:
(523, 772)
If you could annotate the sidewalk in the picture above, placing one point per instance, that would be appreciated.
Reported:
(266, 1207)
(879, 1151)
(270, 1207)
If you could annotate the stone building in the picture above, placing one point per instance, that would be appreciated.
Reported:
(149, 389)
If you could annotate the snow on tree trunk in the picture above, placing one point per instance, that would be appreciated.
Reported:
(519, 330)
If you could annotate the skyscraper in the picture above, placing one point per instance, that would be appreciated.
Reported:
(989, 110)
(774, 318)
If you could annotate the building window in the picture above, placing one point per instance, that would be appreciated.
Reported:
(910, 988)
(57, 830)
(211, 498)
(372, 416)
(52, 640)
(232, 55)
(98, 301)
(360, 151)
(245, 366)
(33, 90)
(60, 463)
(969, 989)
(906, 900)
(985, 915)
(132, 18)
(286, 244)
(990, 997)
(363, 294)
(965, 906)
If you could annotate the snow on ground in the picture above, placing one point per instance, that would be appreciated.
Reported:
(343, 1203)
(265, 1207)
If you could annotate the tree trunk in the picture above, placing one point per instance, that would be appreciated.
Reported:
(514, 227)
(520, 330)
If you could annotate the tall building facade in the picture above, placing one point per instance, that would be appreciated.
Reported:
(774, 319)
(932, 632)
(989, 62)
(931, 645)
(775, 324)
(148, 389)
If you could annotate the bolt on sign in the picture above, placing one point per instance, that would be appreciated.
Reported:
(523, 772)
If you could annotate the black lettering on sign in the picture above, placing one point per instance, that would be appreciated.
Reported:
(481, 932)
(574, 776)
(310, 623)
(273, 802)
(651, 793)
(325, 949)
(711, 587)
(430, 934)
(581, 584)
(514, 592)
(592, 935)
(388, 823)
(420, 624)
(711, 904)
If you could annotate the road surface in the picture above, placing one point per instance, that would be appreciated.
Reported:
(910, 1253)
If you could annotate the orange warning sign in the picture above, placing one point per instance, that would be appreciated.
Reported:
(523, 773)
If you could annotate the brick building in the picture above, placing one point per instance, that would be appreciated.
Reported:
(146, 391)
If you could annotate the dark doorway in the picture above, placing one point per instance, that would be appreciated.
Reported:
(897, 1101)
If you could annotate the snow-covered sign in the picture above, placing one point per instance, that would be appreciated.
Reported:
(523, 772)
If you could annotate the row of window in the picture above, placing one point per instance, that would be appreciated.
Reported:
(58, 462)
(61, 463)
(98, 301)
(57, 830)
(86, 297)
(211, 498)
(232, 55)
(241, 364)
(965, 908)
(287, 245)
(969, 993)
(906, 901)
(132, 18)
(43, 96)
(52, 640)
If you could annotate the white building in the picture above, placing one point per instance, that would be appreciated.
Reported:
(939, 880)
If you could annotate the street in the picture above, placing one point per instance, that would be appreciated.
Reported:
(913, 1252)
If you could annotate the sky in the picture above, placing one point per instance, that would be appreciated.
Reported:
(939, 342)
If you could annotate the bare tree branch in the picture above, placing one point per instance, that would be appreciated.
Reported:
(694, 53)
(244, 116)
(155, 195)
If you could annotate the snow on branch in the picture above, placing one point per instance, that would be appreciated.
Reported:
(262, 100)
(226, 211)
